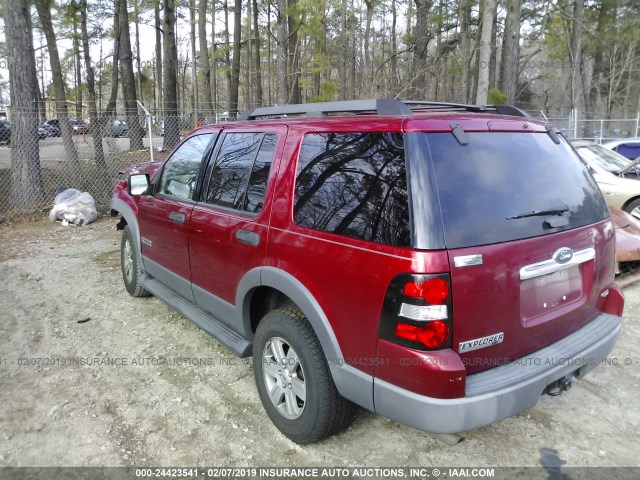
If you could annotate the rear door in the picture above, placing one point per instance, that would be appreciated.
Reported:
(529, 241)
(230, 225)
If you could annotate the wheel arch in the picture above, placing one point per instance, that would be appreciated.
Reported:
(130, 216)
(283, 287)
(629, 202)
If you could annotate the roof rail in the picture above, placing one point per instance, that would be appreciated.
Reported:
(379, 106)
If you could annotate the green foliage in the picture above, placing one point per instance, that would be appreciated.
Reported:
(328, 91)
(496, 97)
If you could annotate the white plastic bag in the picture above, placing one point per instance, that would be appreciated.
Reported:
(74, 206)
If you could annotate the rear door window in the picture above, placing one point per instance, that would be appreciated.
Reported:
(354, 184)
(489, 188)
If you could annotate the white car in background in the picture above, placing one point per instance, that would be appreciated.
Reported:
(614, 175)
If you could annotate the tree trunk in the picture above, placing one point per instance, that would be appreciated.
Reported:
(158, 65)
(293, 22)
(367, 32)
(44, 13)
(394, 48)
(259, 99)
(353, 26)
(128, 81)
(281, 39)
(194, 69)
(598, 81)
(78, 67)
(204, 54)
(576, 48)
(488, 14)
(111, 105)
(419, 80)
(235, 66)
(214, 68)
(136, 14)
(170, 68)
(511, 51)
(26, 175)
(464, 17)
(98, 123)
(227, 44)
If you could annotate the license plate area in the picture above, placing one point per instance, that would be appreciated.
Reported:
(545, 297)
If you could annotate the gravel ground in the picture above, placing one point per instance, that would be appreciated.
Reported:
(153, 408)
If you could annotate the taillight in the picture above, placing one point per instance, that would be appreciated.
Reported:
(431, 334)
(434, 290)
(417, 312)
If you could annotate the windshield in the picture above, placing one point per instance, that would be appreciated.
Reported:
(504, 186)
(603, 157)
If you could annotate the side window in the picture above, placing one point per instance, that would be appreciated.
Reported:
(354, 184)
(181, 170)
(240, 172)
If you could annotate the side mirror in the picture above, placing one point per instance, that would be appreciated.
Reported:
(138, 184)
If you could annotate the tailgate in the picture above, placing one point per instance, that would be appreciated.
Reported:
(526, 294)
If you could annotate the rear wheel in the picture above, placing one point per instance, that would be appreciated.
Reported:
(293, 378)
(131, 268)
(633, 209)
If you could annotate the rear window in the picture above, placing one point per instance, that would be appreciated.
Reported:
(489, 187)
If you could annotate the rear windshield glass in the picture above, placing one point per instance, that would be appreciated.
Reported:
(498, 186)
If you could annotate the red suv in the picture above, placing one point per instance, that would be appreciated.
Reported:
(440, 264)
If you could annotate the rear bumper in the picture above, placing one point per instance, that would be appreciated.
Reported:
(501, 392)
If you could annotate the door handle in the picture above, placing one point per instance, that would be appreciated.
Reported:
(177, 217)
(250, 238)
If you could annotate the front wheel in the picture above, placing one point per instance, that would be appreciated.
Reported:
(294, 381)
(131, 268)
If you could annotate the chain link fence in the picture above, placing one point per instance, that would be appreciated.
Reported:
(599, 130)
(35, 168)
(36, 161)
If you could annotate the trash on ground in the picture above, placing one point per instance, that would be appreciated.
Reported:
(72, 206)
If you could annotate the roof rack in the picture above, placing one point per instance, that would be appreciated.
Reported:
(380, 106)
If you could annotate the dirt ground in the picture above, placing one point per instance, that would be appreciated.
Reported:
(175, 397)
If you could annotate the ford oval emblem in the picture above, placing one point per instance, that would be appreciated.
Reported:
(563, 255)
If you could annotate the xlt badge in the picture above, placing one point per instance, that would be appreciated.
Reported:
(479, 343)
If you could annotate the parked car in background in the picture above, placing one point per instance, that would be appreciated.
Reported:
(627, 147)
(51, 129)
(399, 256)
(607, 159)
(42, 132)
(619, 192)
(627, 231)
(78, 126)
(5, 132)
(48, 129)
(120, 128)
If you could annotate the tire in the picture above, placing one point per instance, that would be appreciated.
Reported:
(633, 209)
(131, 268)
(306, 405)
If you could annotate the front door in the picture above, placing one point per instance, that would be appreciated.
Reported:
(164, 216)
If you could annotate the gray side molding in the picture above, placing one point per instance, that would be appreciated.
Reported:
(132, 220)
(353, 384)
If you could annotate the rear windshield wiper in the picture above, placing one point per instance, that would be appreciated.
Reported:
(540, 213)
